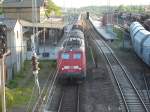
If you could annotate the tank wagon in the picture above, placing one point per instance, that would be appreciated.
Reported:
(147, 24)
(140, 41)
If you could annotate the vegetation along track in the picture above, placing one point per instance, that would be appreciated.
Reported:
(44, 95)
(132, 101)
(69, 101)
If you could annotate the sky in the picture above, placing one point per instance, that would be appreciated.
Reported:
(82, 3)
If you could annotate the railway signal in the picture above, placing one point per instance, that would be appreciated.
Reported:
(35, 69)
(35, 63)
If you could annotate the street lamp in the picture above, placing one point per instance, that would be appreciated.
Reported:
(2, 60)
(3, 53)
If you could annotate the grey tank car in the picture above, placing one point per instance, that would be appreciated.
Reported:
(140, 41)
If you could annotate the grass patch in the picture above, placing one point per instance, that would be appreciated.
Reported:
(19, 89)
(119, 32)
(119, 41)
(90, 52)
(51, 64)
(12, 84)
(21, 96)
(18, 93)
(21, 75)
(17, 97)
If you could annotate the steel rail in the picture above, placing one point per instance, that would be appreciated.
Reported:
(125, 72)
(78, 101)
(118, 84)
(131, 82)
(136, 91)
(41, 97)
(64, 100)
(61, 100)
(147, 88)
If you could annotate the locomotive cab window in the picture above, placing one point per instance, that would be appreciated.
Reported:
(65, 56)
(77, 56)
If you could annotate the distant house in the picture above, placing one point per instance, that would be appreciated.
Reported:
(147, 9)
(17, 46)
(22, 9)
(108, 18)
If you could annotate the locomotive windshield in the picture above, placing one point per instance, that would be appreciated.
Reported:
(65, 56)
(77, 56)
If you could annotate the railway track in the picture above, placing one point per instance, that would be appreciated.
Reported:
(44, 95)
(131, 98)
(70, 99)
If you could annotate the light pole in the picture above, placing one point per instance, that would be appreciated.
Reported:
(2, 85)
(3, 53)
(2, 60)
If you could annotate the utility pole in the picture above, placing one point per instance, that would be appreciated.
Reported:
(2, 85)
(35, 62)
(2, 65)
(3, 53)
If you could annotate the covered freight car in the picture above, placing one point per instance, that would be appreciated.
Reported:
(140, 41)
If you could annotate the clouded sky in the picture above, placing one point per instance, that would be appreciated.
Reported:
(81, 3)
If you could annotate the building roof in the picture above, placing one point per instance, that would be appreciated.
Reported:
(10, 23)
(21, 3)
(46, 24)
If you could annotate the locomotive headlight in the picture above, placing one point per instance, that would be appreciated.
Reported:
(66, 67)
(62, 68)
(76, 67)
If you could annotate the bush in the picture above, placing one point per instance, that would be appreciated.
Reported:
(118, 32)
(40, 65)
(53, 64)
(21, 96)
(12, 84)
(9, 99)
(17, 96)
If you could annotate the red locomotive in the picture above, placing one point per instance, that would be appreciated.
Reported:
(71, 60)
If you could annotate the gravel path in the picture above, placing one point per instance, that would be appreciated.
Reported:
(97, 92)
(133, 63)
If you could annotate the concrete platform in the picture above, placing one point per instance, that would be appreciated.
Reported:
(105, 32)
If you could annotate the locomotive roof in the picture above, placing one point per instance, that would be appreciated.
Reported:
(73, 43)
(76, 34)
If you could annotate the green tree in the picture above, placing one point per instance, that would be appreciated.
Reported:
(122, 8)
(51, 7)
(141, 9)
(132, 9)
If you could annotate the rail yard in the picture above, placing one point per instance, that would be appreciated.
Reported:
(74, 59)
(108, 80)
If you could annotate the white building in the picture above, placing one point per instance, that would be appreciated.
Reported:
(17, 46)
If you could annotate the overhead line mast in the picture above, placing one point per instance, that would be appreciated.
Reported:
(35, 62)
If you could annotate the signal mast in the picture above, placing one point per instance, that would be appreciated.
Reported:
(35, 62)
